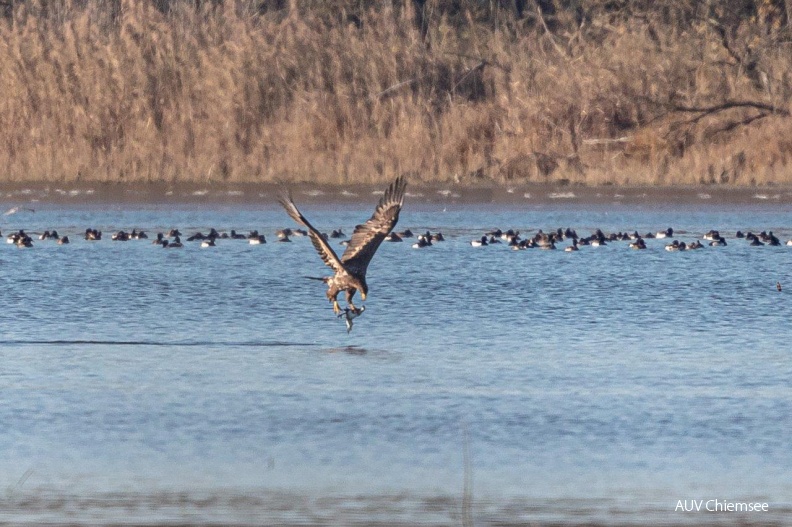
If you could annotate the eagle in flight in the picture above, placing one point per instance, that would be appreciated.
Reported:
(350, 269)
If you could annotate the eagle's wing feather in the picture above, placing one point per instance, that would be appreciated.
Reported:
(327, 253)
(368, 236)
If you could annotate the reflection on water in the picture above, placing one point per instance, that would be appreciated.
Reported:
(217, 386)
(354, 350)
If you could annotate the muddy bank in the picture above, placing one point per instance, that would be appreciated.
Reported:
(32, 196)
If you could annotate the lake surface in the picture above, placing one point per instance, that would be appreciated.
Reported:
(215, 386)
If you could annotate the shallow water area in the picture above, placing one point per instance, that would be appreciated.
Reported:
(215, 386)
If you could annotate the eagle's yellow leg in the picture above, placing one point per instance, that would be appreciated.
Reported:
(336, 307)
(349, 294)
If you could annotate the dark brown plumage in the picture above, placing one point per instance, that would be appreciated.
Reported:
(350, 269)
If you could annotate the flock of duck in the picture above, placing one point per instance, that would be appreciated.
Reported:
(542, 240)
(172, 239)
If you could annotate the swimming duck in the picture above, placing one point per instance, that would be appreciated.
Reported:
(393, 237)
(258, 240)
(509, 234)
(668, 233)
(407, 233)
(138, 235)
(559, 235)
(63, 241)
(93, 235)
(755, 242)
(422, 242)
(529, 243)
(573, 247)
(253, 234)
(480, 243)
(120, 236)
(718, 242)
(175, 244)
(159, 240)
(15, 237)
(337, 234)
(638, 244)
(674, 246)
(438, 237)
(283, 237)
(695, 245)
(24, 241)
(235, 236)
(209, 242)
(173, 233)
(540, 239)
(598, 236)
(284, 233)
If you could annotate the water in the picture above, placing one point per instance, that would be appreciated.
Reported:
(215, 386)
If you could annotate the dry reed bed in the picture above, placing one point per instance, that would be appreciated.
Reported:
(126, 93)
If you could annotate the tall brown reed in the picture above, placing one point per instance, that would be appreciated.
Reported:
(357, 92)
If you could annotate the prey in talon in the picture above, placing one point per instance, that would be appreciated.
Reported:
(351, 313)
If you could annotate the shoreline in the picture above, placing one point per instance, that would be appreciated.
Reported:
(250, 507)
(88, 194)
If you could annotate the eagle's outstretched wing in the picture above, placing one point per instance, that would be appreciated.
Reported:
(328, 255)
(368, 237)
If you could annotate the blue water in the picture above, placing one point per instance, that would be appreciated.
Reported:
(216, 385)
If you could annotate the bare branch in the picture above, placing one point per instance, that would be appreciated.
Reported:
(396, 87)
(549, 33)
(477, 67)
(708, 110)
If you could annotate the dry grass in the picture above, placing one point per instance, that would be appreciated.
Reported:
(123, 92)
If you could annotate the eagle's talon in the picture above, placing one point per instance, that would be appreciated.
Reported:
(336, 307)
